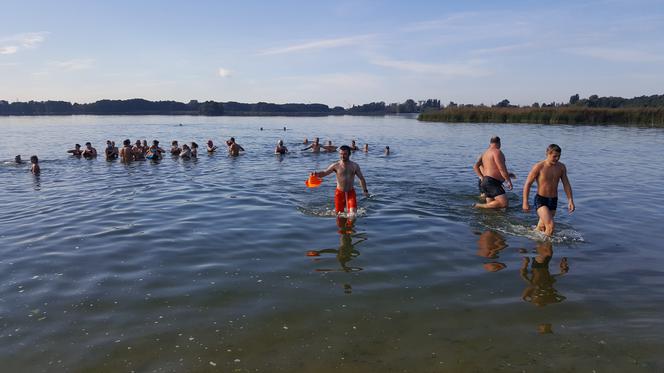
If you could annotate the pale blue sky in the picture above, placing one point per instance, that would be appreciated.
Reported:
(336, 53)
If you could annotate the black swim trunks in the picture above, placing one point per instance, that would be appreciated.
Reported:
(491, 187)
(544, 264)
(550, 202)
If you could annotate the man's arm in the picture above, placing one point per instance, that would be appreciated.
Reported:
(500, 162)
(532, 175)
(308, 147)
(363, 182)
(330, 169)
(476, 167)
(568, 189)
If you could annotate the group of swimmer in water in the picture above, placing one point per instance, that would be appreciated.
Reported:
(492, 172)
(140, 150)
(490, 168)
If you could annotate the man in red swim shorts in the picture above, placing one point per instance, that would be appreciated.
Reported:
(344, 195)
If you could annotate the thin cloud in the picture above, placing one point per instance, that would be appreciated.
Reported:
(10, 49)
(469, 69)
(616, 54)
(318, 44)
(14, 43)
(439, 23)
(224, 73)
(502, 49)
(75, 64)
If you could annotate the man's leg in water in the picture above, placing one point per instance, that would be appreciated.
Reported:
(494, 203)
(545, 223)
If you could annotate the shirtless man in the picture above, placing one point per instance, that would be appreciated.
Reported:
(491, 170)
(185, 152)
(329, 147)
(138, 151)
(111, 151)
(280, 148)
(35, 165)
(315, 146)
(548, 173)
(353, 146)
(126, 153)
(233, 147)
(76, 152)
(345, 169)
(211, 147)
(175, 148)
(89, 151)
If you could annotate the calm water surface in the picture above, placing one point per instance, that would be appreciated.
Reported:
(231, 264)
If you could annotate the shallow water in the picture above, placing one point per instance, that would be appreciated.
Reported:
(232, 264)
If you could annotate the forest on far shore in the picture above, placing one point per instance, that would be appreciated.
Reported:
(140, 106)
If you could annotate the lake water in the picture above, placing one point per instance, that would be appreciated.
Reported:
(232, 264)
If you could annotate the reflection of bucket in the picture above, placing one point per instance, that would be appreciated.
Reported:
(313, 181)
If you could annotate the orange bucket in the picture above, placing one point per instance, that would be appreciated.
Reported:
(313, 181)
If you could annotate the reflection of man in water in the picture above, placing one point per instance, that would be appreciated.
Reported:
(346, 250)
(489, 245)
(540, 290)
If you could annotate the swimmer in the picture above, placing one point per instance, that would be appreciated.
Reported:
(138, 151)
(175, 148)
(315, 146)
(284, 128)
(126, 153)
(76, 152)
(280, 148)
(154, 151)
(353, 146)
(17, 159)
(548, 173)
(211, 148)
(233, 147)
(491, 170)
(306, 141)
(35, 165)
(89, 151)
(111, 152)
(366, 148)
(479, 181)
(345, 170)
(387, 150)
(185, 152)
(194, 150)
(329, 147)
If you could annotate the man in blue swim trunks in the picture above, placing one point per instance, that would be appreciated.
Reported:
(492, 171)
(548, 173)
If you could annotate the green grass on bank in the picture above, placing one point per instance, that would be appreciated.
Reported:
(650, 117)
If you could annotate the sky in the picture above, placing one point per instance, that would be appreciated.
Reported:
(338, 53)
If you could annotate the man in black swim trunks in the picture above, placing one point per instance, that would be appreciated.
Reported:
(548, 173)
(492, 171)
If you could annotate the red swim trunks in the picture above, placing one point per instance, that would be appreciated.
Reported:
(344, 199)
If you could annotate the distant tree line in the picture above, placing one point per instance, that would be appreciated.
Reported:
(139, 106)
(644, 110)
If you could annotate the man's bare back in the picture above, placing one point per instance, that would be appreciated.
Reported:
(493, 160)
(492, 171)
